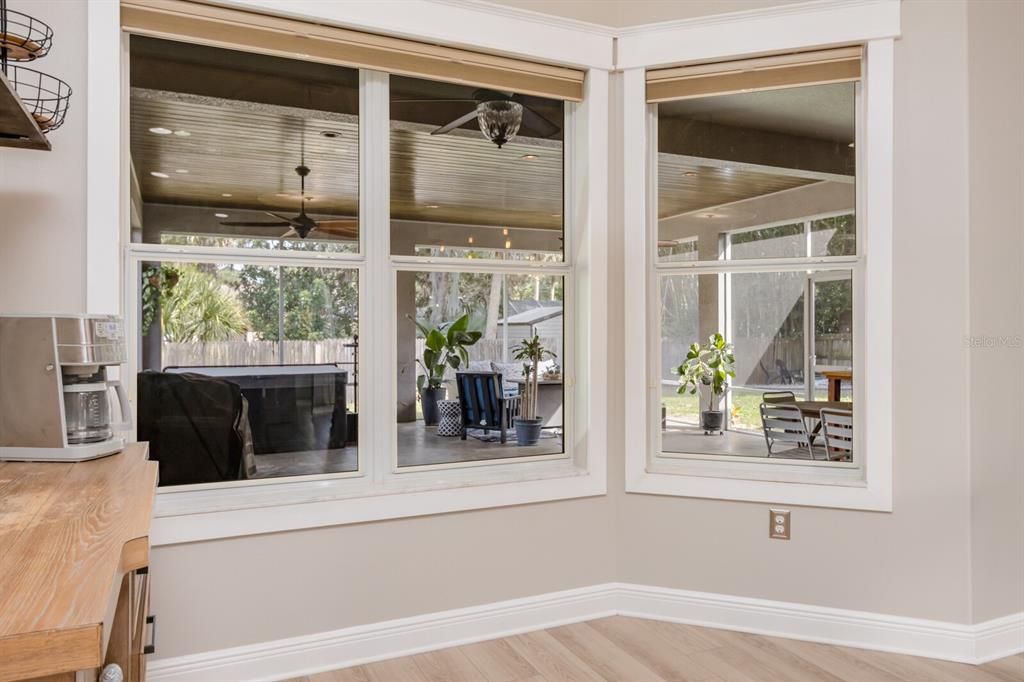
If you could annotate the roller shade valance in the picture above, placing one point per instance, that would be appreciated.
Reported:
(205, 24)
(837, 65)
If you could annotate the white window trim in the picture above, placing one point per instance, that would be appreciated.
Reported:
(875, 23)
(209, 512)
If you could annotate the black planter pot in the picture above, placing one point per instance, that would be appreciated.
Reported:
(428, 399)
(528, 431)
(712, 421)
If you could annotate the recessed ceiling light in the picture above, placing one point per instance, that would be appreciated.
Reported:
(221, 215)
(431, 206)
(727, 169)
(161, 131)
(183, 171)
(182, 133)
(226, 194)
(528, 157)
(158, 174)
(331, 134)
(690, 174)
(556, 215)
(850, 145)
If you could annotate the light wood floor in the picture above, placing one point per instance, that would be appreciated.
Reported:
(620, 649)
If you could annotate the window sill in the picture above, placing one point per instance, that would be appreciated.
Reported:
(830, 487)
(223, 512)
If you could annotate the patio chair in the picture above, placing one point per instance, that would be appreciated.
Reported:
(837, 427)
(777, 397)
(785, 424)
(484, 403)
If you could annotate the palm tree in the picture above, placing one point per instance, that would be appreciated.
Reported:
(200, 308)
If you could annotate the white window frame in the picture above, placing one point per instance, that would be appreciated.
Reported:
(376, 491)
(867, 485)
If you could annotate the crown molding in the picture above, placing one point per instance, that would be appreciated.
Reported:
(787, 10)
(798, 26)
(458, 23)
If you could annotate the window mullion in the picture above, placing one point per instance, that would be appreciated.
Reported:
(376, 295)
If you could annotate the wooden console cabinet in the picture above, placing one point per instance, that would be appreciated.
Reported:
(74, 567)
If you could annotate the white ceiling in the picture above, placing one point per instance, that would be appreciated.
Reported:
(624, 13)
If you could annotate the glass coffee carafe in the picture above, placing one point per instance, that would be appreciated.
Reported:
(87, 405)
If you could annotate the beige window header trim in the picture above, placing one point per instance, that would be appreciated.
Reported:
(196, 22)
(820, 67)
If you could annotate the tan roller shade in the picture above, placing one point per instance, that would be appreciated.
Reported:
(763, 73)
(205, 24)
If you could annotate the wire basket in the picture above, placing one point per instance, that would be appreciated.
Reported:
(46, 97)
(23, 38)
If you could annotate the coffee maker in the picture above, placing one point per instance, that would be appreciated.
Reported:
(55, 396)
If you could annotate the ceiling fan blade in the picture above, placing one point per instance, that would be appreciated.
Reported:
(461, 121)
(290, 233)
(339, 228)
(537, 123)
(340, 223)
(289, 221)
(242, 223)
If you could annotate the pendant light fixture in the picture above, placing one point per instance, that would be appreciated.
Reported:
(499, 120)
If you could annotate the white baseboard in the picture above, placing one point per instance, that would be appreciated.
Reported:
(298, 656)
(310, 654)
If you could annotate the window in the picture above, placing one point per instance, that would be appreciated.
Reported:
(762, 185)
(286, 336)
(249, 367)
(468, 214)
(301, 233)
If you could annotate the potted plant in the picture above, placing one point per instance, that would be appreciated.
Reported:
(444, 347)
(528, 424)
(708, 365)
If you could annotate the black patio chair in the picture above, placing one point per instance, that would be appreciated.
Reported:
(483, 403)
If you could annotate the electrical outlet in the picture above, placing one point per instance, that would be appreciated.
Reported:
(778, 524)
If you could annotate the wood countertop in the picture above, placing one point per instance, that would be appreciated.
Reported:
(68, 534)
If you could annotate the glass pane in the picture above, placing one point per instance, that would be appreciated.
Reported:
(765, 322)
(729, 163)
(248, 371)
(782, 241)
(464, 193)
(243, 150)
(835, 236)
(447, 379)
(833, 336)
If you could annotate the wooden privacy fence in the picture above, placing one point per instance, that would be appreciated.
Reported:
(830, 349)
(492, 350)
(221, 353)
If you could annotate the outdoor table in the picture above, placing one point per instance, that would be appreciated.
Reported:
(835, 379)
(813, 408)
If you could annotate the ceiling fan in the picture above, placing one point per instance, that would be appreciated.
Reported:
(301, 225)
(499, 115)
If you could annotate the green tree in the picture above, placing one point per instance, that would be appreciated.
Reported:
(318, 303)
(200, 308)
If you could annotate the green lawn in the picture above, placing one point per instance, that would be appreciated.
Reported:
(745, 411)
